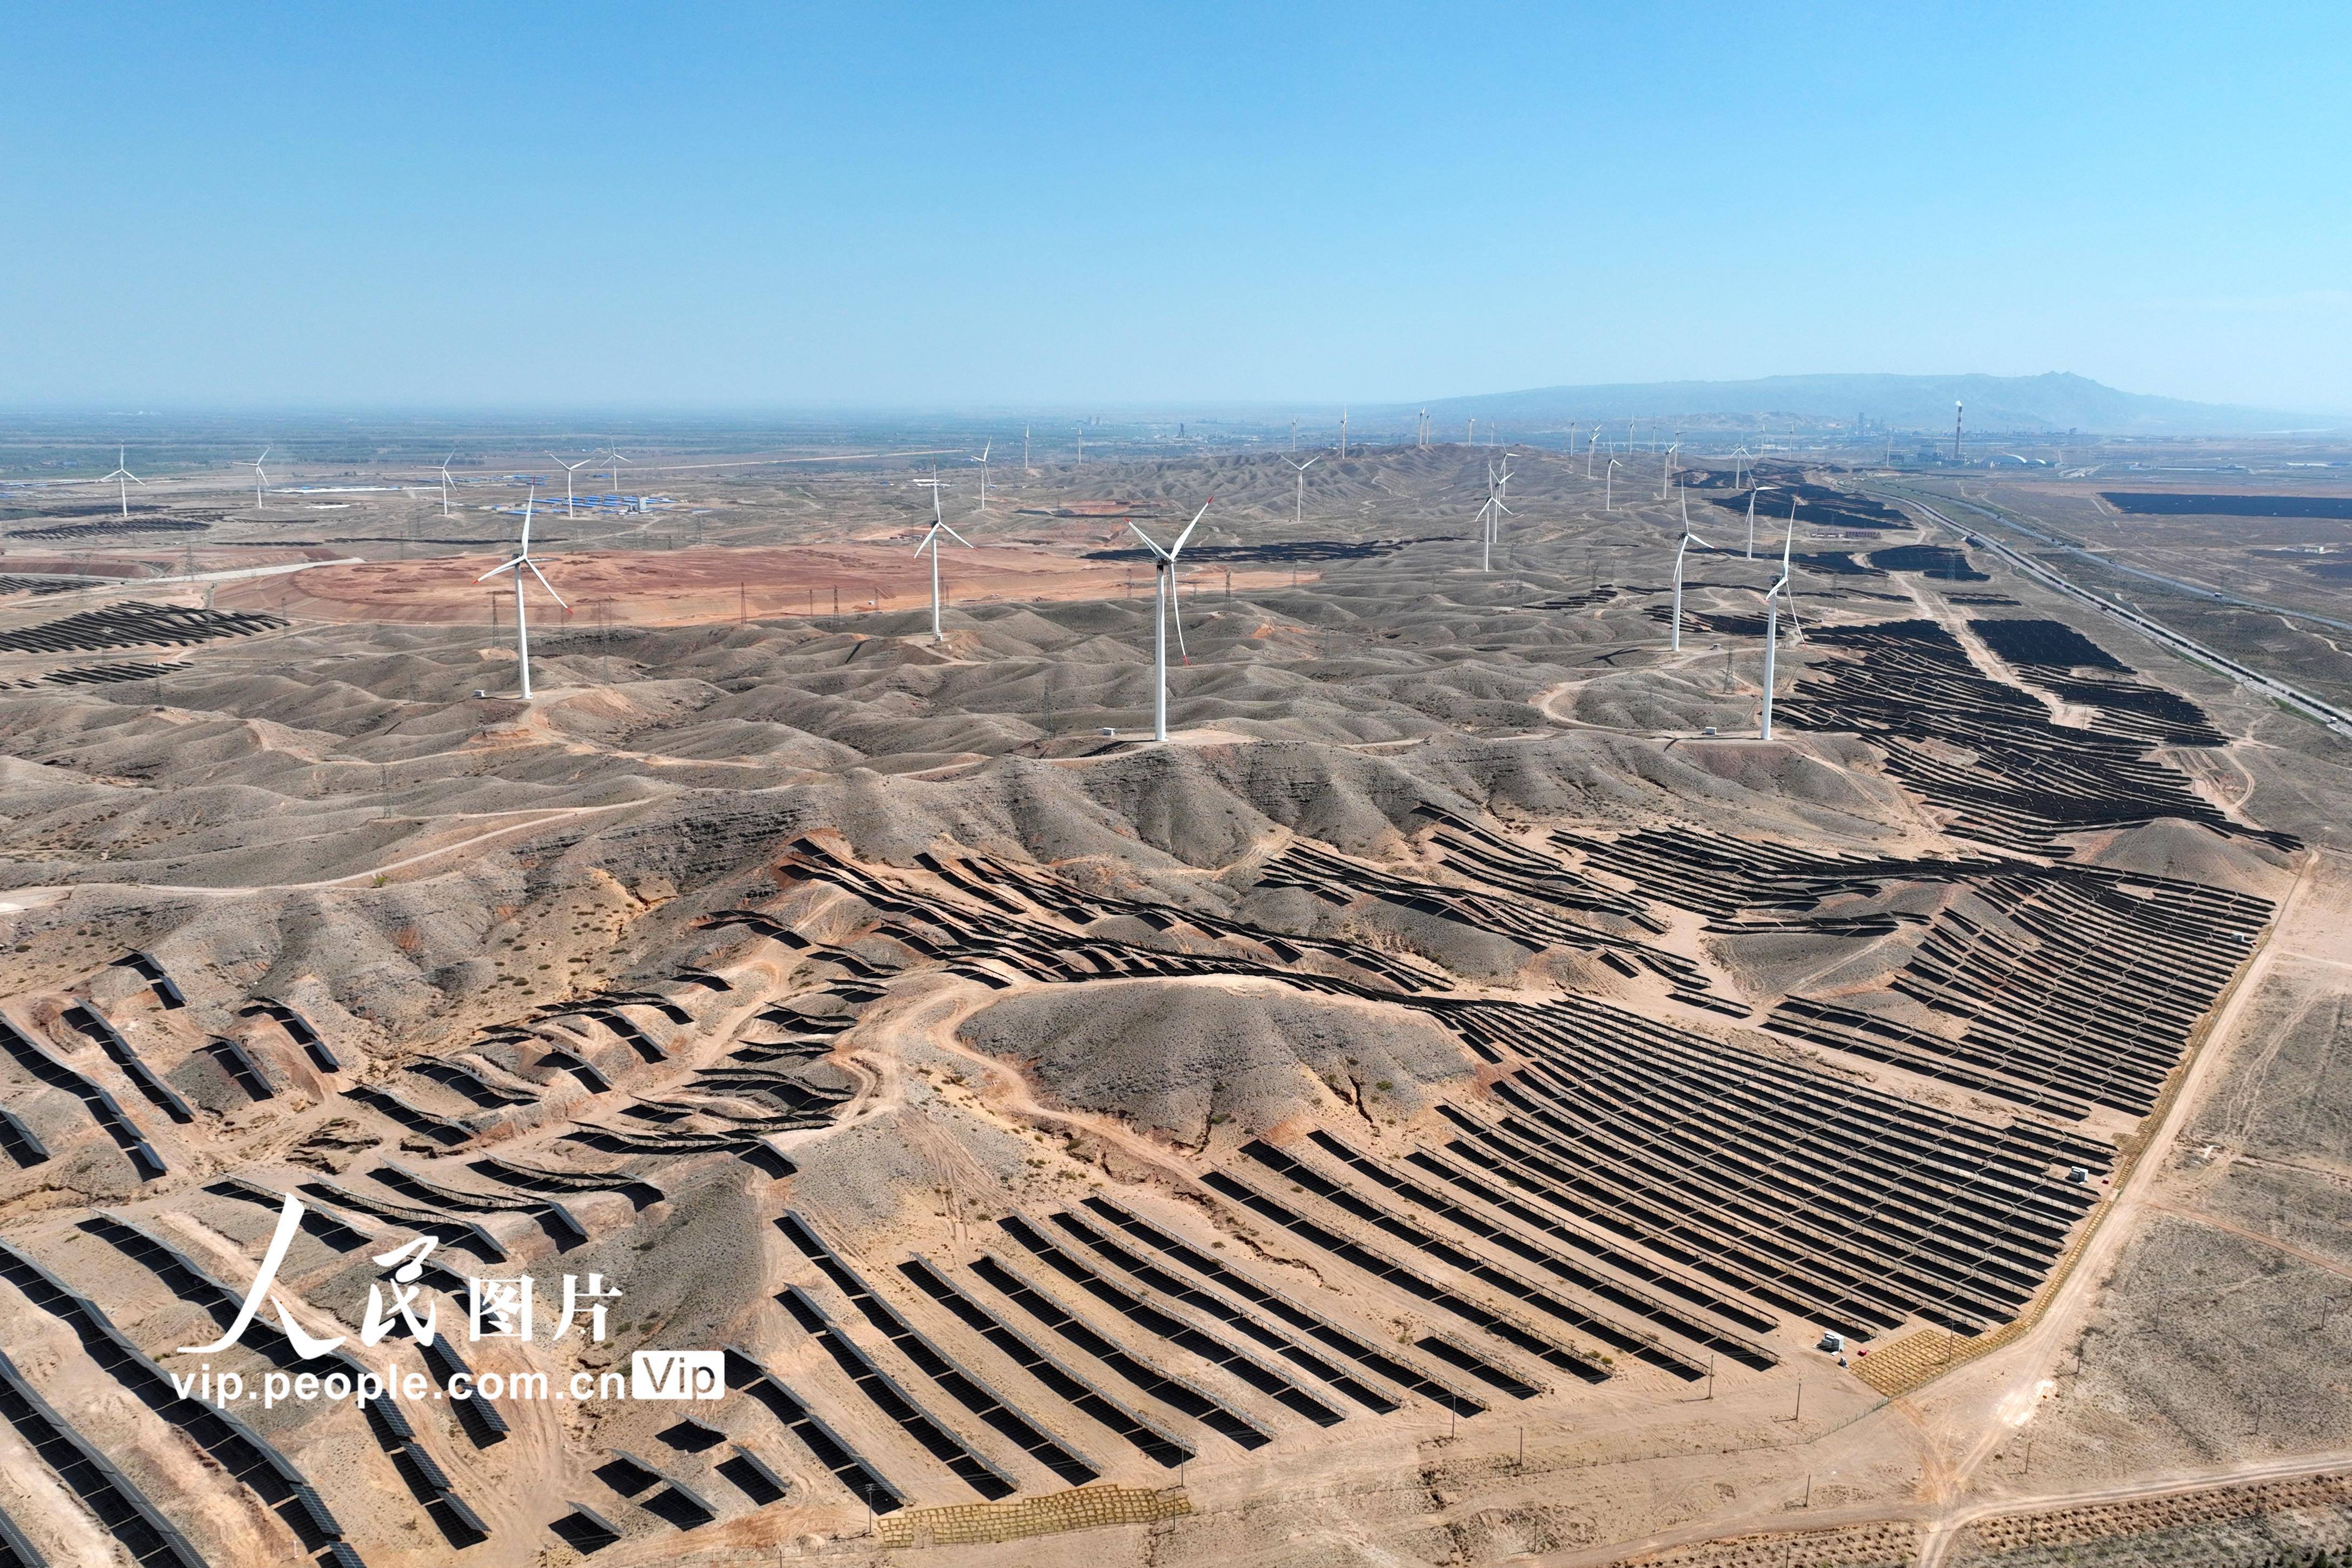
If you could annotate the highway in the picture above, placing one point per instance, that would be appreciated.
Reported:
(2336, 718)
(2195, 590)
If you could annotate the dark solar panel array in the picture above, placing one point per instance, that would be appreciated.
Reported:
(959, 1382)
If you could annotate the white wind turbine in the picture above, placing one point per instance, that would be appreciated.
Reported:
(1485, 520)
(522, 561)
(1164, 564)
(1609, 487)
(259, 477)
(568, 469)
(1666, 471)
(1751, 521)
(445, 483)
(123, 477)
(1299, 510)
(1499, 484)
(1680, 550)
(982, 461)
(1591, 446)
(618, 458)
(931, 542)
(1772, 598)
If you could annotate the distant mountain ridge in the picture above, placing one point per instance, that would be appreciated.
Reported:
(2057, 401)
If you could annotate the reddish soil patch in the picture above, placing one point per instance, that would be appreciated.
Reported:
(680, 587)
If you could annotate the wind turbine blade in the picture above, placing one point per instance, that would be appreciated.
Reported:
(929, 535)
(1697, 540)
(1176, 610)
(1150, 544)
(1177, 549)
(959, 538)
(494, 570)
(545, 584)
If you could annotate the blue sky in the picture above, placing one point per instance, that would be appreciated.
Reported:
(760, 207)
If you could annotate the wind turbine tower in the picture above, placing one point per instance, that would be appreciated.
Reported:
(1955, 431)
(445, 483)
(1298, 512)
(521, 562)
(123, 477)
(931, 542)
(258, 478)
(1498, 482)
(1343, 430)
(982, 461)
(1751, 521)
(1164, 564)
(568, 470)
(1772, 598)
(1680, 550)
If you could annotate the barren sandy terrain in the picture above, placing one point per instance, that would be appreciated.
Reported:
(1468, 1100)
